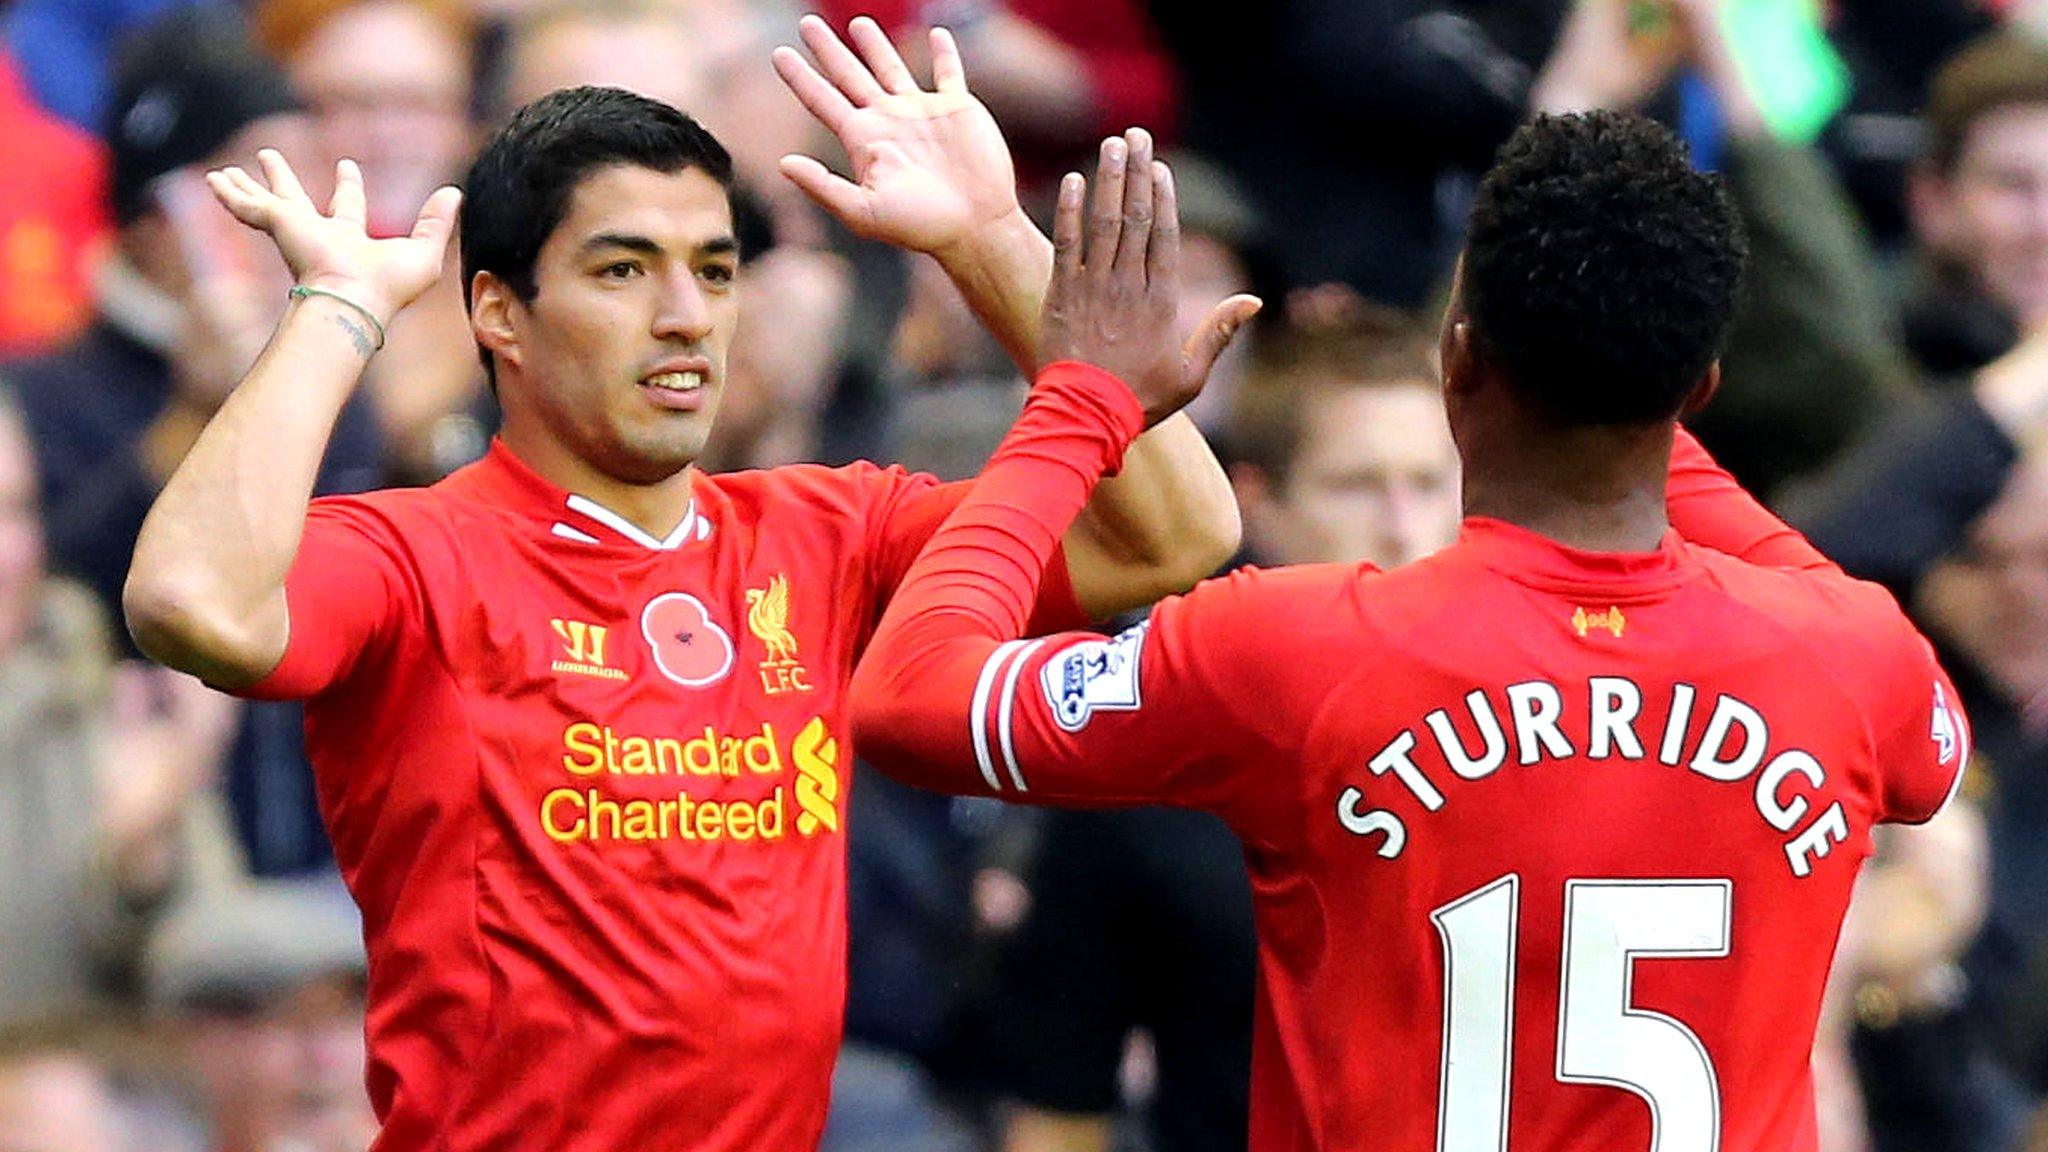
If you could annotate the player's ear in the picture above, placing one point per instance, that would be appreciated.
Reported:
(1703, 391)
(491, 306)
(1460, 360)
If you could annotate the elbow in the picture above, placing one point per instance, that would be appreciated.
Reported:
(875, 712)
(1220, 536)
(1205, 544)
(179, 625)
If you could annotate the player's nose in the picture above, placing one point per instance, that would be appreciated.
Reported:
(681, 311)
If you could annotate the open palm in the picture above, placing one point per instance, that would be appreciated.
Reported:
(333, 249)
(929, 166)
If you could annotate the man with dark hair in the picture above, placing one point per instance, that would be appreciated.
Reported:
(1551, 833)
(577, 711)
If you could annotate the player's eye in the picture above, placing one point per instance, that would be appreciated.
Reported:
(718, 275)
(620, 270)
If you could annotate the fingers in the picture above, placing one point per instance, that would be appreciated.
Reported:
(882, 58)
(239, 193)
(437, 216)
(838, 62)
(1217, 331)
(1066, 229)
(349, 201)
(1134, 236)
(949, 75)
(823, 101)
(283, 181)
(835, 194)
(1106, 209)
(1162, 255)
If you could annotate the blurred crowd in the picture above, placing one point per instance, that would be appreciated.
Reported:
(179, 968)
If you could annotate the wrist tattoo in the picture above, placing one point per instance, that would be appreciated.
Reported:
(358, 335)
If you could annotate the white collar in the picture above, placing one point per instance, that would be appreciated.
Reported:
(692, 526)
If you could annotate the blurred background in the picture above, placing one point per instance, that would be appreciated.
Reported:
(179, 969)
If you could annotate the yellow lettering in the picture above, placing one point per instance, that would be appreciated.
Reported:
(799, 679)
(558, 833)
(683, 806)
(700, 754)
(639, 756)
(708, 818)
(581, 741)
(769, 816)
(761, 753)
(668, 755)
(603, 809)
(639, 820)
(597, 635)
(665, 812)
(739, 820)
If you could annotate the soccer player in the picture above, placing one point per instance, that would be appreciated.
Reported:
(1550, 833)
(577, 713)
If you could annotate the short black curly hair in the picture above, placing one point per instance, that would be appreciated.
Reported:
(1601, 270)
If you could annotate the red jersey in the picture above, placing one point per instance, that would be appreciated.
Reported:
(1549, 849)
(53, 220)
(588, 788)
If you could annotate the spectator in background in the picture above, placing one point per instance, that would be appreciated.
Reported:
(66, 49)
(1339, 448)
(182, 309)
(1223, 252)
(1810, 359)
(1980, 206)
(1142, 920)
(1058, 74)
(707, 57)
(388, 83)
(1343, 117)
(101, 775)
(53, 218)
(262, 987)
(1891, 50)
(1944, 504)
(54, 1097)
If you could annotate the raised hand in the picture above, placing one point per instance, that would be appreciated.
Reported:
(929, 166)
(333, 250)
(1116, 282)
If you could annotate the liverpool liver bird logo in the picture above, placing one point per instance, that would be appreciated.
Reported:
(768, 619)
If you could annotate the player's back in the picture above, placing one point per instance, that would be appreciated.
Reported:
(1573, 841)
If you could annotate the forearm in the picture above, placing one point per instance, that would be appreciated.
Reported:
(205, 593)
(972, 588)
(1001, 270)
(1165, 521)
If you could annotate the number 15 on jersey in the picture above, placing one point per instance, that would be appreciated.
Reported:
(1602, 1037)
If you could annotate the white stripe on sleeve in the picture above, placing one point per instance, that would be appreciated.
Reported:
(1009, 697)
(977, 716)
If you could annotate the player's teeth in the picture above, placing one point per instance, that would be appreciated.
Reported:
(677, 381)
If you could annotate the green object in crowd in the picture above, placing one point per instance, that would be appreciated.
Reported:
(1797, 77)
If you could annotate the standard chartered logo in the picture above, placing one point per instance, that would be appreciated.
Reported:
(817, 783)
(713, 764)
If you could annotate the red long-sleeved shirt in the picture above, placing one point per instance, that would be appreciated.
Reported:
(1547, 846)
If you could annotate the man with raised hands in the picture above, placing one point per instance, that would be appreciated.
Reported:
(1551, 833)
(577, 712)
